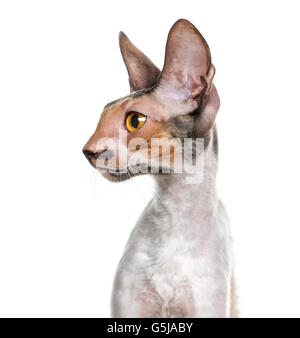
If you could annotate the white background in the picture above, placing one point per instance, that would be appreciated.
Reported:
(62, 226)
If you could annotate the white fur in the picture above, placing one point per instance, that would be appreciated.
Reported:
(177, 262)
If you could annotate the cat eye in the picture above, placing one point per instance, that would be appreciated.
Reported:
(135, 121)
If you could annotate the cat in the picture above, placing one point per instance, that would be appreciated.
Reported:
(178, 260)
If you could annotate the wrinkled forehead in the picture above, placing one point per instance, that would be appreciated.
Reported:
(133, 95)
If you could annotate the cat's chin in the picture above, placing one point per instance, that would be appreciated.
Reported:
(115, 177)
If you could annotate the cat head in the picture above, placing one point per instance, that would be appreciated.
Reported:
(144, 131)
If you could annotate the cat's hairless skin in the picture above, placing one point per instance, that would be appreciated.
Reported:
(178, 260)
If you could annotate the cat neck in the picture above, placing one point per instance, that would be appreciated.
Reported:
(183, 196)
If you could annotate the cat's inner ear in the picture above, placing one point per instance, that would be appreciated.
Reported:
(187, 71)
(142, 72)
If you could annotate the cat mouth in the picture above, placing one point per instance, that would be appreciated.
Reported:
(119, 175)
(124, 173)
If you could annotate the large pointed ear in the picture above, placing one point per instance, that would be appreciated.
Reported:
(142, 72)
(187, 72)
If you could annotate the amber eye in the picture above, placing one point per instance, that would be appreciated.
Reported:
(135, 121)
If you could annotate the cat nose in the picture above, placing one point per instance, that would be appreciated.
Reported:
(89, 155)
(104, 155)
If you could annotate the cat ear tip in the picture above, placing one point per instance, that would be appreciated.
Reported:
(122, 36)
(183, 22)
